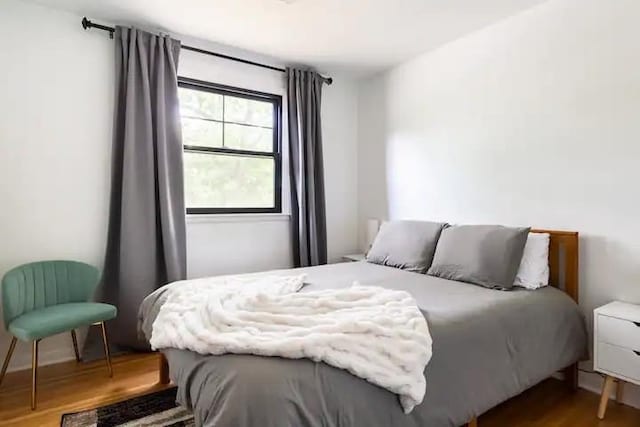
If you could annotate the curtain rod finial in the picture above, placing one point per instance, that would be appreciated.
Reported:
(85, 23)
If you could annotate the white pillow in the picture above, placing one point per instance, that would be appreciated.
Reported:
(534, 266)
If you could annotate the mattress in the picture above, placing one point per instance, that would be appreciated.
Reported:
(488, 346)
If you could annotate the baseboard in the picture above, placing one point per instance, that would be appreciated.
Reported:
(63, 353)
(51, 350)
(22, 360)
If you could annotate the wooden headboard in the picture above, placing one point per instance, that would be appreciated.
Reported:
(563, 260)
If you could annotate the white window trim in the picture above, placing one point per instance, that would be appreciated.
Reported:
(244, 217)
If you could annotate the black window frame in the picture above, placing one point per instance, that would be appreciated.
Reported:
(276, 154)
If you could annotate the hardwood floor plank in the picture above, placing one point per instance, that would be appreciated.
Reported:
(551, 404)
(71, 387)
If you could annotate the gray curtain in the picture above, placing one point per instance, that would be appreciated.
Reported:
(306, 171)
(146, 245)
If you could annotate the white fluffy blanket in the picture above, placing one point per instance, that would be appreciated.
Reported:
(377, 334)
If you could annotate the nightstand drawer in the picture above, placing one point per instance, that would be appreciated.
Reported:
(623, 333)
(620, 361)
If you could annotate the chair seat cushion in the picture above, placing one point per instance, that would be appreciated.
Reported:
(55, 319)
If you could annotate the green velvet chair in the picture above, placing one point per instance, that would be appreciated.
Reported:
(45, 298)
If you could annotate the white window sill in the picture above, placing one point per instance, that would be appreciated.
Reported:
(249, 217)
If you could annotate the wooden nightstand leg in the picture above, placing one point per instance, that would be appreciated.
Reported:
(607, 388)
(620, 391)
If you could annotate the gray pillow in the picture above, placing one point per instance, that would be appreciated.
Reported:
(408, 245)
(485, 255)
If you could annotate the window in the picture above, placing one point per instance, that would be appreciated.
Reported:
(232, 139)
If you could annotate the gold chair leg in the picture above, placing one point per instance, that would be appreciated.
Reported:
(75, 344)
(34, 373)
(7, 359)
(106, 348)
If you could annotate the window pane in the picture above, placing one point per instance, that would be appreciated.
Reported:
(223, 181)
(248, 137)
(200, 132)
(242, 110)
(198, 103)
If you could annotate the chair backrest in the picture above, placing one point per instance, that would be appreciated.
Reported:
(42, 284)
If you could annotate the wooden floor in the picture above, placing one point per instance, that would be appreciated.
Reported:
(69, 387)
(551, 404)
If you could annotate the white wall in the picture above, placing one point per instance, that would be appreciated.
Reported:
(55, 135)
(340, 138)
(55, 127)
(532, 121)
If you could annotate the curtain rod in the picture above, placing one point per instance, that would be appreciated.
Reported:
(87, 24)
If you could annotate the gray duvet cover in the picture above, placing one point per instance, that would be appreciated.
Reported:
(488, 346)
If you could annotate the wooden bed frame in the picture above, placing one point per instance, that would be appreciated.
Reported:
(563, 274)
(564, 262)
(564, 256)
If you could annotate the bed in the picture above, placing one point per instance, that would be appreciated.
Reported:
(488, 346)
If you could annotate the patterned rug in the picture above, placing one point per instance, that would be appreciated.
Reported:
(156, 409)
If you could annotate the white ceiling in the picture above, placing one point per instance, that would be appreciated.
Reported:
(361, 36)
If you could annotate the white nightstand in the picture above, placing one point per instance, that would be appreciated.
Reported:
(354, 257)
(616, 348)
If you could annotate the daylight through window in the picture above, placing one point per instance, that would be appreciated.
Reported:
(231, 140)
